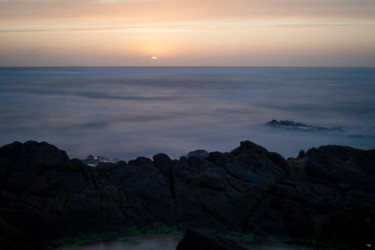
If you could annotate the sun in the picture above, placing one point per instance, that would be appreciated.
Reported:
(154, 58)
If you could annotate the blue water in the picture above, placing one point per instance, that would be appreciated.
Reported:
(127, 112)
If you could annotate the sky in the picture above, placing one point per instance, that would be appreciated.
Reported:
(317, 33)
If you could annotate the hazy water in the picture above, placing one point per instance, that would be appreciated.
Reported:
(127, 112)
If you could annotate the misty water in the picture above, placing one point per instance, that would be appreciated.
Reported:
(127, 112)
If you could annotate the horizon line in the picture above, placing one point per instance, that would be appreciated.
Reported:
(4, 67)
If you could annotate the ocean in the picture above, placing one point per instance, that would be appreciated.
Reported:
(127, 112)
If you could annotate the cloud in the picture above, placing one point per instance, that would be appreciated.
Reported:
(195, 26)
(184, 10)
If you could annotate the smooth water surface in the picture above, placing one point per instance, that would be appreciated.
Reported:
(127, 112)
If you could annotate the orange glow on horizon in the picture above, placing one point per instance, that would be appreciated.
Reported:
(187, 33)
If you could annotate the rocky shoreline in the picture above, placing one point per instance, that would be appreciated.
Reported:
(327, 194)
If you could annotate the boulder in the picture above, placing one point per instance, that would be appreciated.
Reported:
(202, 241)
(163, 163)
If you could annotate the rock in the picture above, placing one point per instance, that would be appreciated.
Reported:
(345, 166)
(45, 196)
(32, 157)
(248, 146)
(198, 153)
(164, 164)
(301, 153)
(105, 166)
(203, 241)
(291, 125)
(278, 160)
(332, 184)
(218, 158)
(225, 193)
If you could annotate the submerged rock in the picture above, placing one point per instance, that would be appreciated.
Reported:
(292, 125)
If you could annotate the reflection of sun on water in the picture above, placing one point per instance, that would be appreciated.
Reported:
(154, 58)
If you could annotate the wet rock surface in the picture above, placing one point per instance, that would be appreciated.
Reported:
(326, 193)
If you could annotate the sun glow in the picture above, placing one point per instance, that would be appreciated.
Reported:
(218, 33)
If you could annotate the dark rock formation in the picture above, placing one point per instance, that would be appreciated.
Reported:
(292, 125)
(203, 241)
(334, 186)
(328, 193)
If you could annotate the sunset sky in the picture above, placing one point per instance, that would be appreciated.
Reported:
(187, 33)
